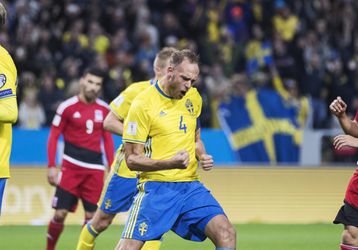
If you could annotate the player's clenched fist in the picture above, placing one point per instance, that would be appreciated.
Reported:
(181, 159)
(206, 162)
(338, 107)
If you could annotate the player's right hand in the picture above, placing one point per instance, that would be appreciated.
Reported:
(338, 107)
(181, 159)
(341, 141)
(52, 176)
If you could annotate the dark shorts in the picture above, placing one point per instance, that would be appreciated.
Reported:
(347, 215)
(65, 200)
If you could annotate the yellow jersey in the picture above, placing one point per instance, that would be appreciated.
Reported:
(166, 126)
(8, 108)
(120, 107)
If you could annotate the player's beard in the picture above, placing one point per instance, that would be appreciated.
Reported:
(90, 96)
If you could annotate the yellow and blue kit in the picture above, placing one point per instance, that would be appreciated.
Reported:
(120, 188)
(8, 113)
(167, 199)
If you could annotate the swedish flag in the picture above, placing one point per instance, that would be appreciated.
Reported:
(258, 56)
(261, 128)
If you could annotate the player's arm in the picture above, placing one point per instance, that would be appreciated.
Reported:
(55, 133)
(58, 124)
(206, 161)
(113, 123)
(8, 110)
(137, 161)
(338, 107)
(108, 147)
(135, 133)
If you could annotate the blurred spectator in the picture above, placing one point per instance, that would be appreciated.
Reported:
(49, 96)
(31, 113)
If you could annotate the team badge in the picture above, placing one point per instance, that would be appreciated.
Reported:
(98, 115)
(77, 115)
(189, 106)
(143, 228)
(2, 80)
(108, 203)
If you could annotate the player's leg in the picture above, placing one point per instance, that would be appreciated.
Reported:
(55, 228)
(63, 202)
(202, 216)
(96, 220)
(152, 245)
(2, 188)
(221, 232)
(129, 244)
(92, 229)
(349, 238)
(348, 216)
(154, 211)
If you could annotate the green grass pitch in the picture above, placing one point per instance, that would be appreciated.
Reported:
(250, 237)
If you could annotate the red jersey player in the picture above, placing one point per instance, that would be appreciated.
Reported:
(80, 120)
(348, 214)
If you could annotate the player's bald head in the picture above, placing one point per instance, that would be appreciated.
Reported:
(3, 14)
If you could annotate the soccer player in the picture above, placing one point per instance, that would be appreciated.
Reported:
(159, 135)
(348, 214)
(8, 108)
(120, 188)
(80, 120)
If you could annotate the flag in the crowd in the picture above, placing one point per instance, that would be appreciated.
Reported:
(260, 128)
(260, 56)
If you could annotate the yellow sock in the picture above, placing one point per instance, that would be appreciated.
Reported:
(152, 245)
(87, 238)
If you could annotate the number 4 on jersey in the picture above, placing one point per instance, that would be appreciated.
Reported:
(182, 125)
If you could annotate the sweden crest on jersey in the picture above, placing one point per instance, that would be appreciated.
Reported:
(189, 106)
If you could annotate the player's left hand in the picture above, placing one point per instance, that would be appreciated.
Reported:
(345, 140)
(206, 162)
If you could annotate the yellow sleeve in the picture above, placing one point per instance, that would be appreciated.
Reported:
(120, 106)
(137, 125)
(8, 110)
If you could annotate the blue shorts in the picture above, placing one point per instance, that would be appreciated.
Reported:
(2, 188)
(183, 207)
(118, 194)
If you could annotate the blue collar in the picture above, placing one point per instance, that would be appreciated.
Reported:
(152, 81)
(161, 91)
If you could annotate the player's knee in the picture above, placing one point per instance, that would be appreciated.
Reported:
(349, 239)
(103, 224)
(227, 234)
(230, 234)
(60, 215)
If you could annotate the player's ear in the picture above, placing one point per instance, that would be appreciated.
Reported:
(170, 73)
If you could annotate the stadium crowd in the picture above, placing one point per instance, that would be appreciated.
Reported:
(312, 45)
